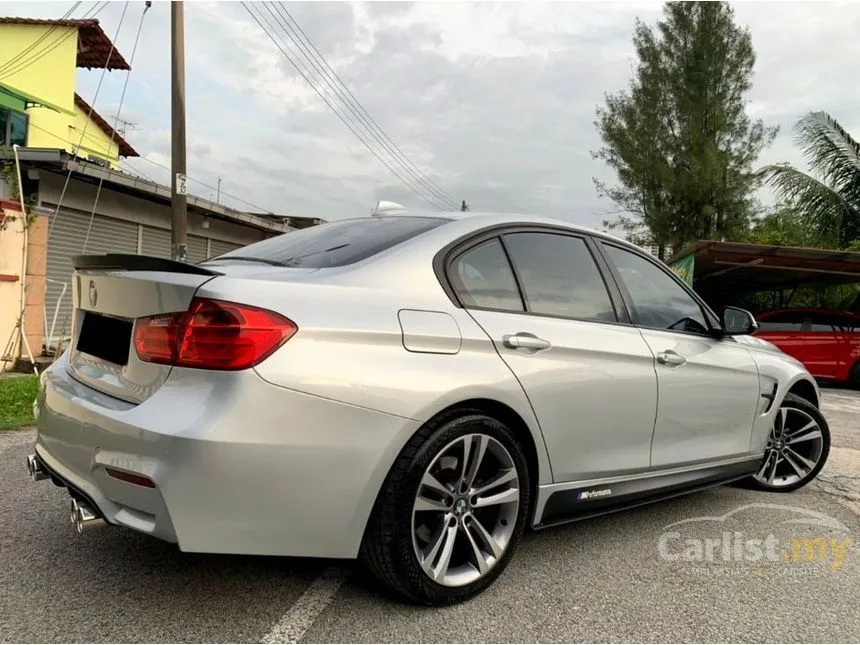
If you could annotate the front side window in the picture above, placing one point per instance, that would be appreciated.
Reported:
(659, 301)
(559, 276)
(483, 277)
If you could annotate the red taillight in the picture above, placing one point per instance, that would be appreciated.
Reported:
(212, 334)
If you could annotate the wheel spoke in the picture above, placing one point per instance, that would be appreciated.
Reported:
(478, 557)
(488, 540)
(435, 485)
(779, 424)
(504, 478)
(470, 467)
(761, 473)
(503, 497)
(427, 504)
(809, 436)
(790, 452)
(772, 474)
(449, 536)
(797, 468)
(797, 431)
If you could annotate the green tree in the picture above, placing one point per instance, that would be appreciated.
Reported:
(679, 138)
(828, 199)
(782, 225)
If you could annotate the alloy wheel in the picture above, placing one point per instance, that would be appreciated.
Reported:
(465, 510)
(793, 451)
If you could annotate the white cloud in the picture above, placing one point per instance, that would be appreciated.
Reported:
(495, 101)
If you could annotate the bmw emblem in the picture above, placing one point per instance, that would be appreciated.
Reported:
(94, 295)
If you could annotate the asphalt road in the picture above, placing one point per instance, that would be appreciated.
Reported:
(600, 580)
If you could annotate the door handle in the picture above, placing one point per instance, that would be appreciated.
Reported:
(524, 340)
(670, 358)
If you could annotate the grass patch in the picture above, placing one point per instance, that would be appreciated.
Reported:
(17, 394)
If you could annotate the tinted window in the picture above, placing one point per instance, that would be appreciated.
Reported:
(559, 276)
(823, 323)
(659, 301)
(18, 129)
(782, 321)
(337, 243)
(483, 277)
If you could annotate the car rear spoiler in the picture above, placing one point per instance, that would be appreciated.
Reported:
(131, 262)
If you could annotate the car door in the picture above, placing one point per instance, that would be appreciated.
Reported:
(823, 345)
(708, 385)
(587, 372)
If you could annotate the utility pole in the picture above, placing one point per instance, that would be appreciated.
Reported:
(179, 226)
(218, 197)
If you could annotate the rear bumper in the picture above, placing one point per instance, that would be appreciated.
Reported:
(239, 465)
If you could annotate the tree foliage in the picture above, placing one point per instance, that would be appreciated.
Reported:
(679, 138)
(828, 199)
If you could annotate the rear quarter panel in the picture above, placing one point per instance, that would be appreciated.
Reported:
(350, 347)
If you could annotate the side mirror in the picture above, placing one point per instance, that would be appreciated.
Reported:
(737, 322)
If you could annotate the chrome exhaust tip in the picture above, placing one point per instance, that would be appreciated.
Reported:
(34, 467)
(85, 518)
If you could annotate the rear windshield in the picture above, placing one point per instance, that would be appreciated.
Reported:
(337, 243)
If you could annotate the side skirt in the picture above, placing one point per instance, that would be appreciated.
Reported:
(590, 499)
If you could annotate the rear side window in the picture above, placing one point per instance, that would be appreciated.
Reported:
(559, 276)
(482, 277)
(337, 243)
(782, 321)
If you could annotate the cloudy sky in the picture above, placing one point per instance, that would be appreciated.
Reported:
(493, 101)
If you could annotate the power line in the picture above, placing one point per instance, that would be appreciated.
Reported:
(353, 104)
(116, 122)
(23, 64)
(89, 117)
(35, 43)
(163, 167)
(211, 187)
(268, 29)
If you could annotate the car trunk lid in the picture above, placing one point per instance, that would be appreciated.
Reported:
(109, 293)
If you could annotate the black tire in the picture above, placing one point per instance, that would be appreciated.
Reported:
(387, 549)
(792, 400)
(854, 378)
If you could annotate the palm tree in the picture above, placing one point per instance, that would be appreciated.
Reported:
(828, 198)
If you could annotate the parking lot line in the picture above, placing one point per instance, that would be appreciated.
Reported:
(304, 612)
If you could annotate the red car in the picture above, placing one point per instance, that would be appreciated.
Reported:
(826, 341)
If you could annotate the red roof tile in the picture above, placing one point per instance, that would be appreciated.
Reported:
(94, 46)
(125, 149)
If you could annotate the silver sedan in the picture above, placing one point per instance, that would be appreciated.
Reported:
(413, 391)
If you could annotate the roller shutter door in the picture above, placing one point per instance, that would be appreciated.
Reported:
(196, 249)
(157, 242)
(67, 240)
(219, 247)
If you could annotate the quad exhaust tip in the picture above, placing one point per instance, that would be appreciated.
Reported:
(34, 467)
(84, 517)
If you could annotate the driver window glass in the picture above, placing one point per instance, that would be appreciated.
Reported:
(484, 278)
(659, 301)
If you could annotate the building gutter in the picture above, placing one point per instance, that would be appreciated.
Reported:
(164, 192)
(58, 160)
